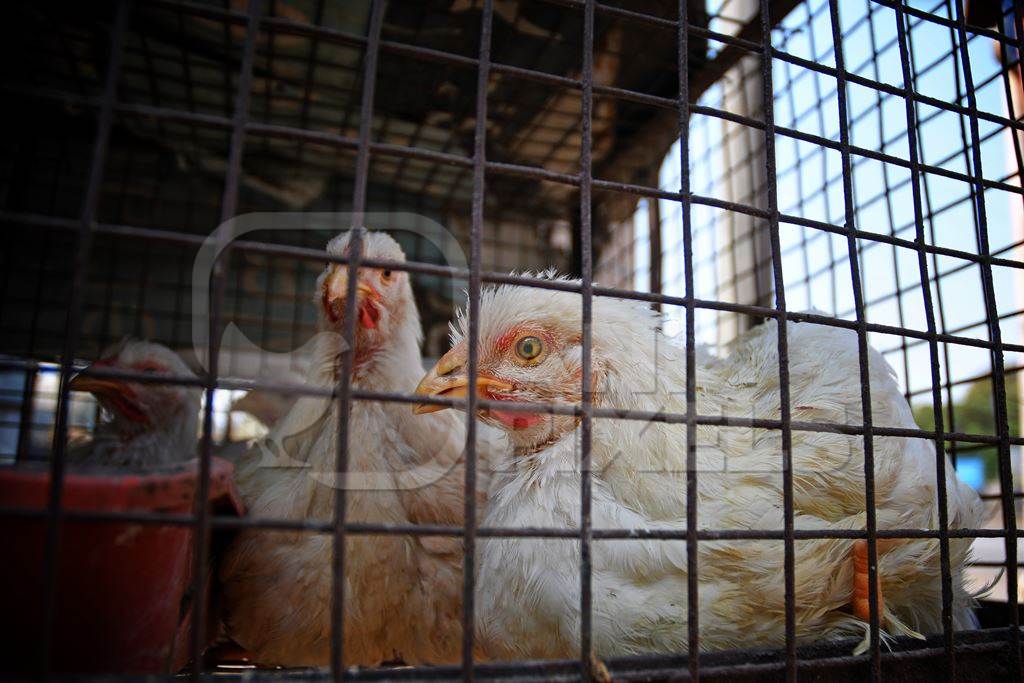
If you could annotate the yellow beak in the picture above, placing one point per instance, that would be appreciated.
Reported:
(336, 286)
(448, 378)
(95, 385)
(335, 290)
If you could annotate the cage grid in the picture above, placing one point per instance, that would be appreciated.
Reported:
(227, 116)
(819, 195)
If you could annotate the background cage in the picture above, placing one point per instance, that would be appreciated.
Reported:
(138, 127)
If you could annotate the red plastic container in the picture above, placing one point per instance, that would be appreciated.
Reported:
(123, 589)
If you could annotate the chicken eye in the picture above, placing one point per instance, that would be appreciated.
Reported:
(386, 276)
(529, 348)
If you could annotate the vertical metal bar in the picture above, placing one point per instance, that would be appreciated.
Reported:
(890, 215)
(229, 206)
(998, 366)
(1018, 37)
(310, 76)
(366, 119)
(587, 292)
(789, 546)
(797, 168)
(73, 330)
(186, 70)
(930, 214)
(41, 273)
(756, 234)
(268, 94)
(1007, 68)
(1011, 106)
(475, 233)
(654, 241)
(862, 343)
(692, 568)
(819, 107)
(732, 283)
(26, 417)
(348, 333)
(933, 351)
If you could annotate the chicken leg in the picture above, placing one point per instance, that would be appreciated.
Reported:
(861, 585)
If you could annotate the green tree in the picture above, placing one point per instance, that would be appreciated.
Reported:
(974, 414)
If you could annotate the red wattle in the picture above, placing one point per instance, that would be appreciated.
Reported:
(368, 315)
(127, 408)
(517, 420)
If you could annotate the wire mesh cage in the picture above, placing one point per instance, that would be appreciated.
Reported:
(799, 224)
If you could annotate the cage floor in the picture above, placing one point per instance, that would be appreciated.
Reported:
(981, 655)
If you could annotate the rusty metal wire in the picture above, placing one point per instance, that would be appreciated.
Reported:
(244, 132)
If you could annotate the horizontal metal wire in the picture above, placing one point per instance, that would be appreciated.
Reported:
(568, 532)
(239, 125)
(346, 38)
(740, 665)
(337, 140)
(569, 286)
(603, 412)
(537, 173)
(238, 18)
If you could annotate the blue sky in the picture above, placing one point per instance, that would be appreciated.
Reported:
(880, 125)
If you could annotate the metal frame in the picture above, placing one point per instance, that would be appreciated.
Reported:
(242, 128)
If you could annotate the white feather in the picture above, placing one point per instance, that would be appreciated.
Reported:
(528, 589)
(402, 593)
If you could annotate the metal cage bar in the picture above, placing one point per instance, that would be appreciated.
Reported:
(476, 230)
(692, 587)
(933, 355)
(998, 368)
(782, 345)
(229, 205)
(237, 122)
(587, 294)
(348, 332)
(862, 353)
(74, 319)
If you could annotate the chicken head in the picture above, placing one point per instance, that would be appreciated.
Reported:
(139, 406)
(530, 352)
(383, 297)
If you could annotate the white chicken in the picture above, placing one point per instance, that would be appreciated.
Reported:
(403, 593)
(528, 590)
(145, 424)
